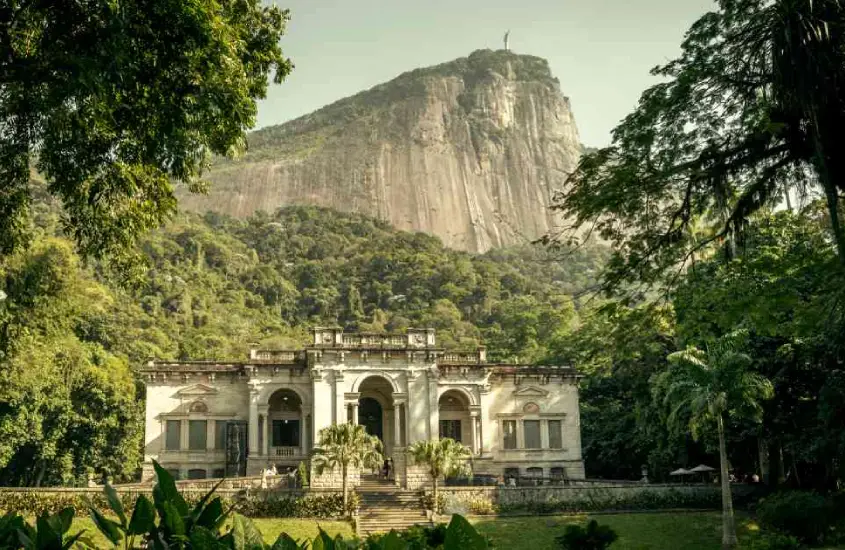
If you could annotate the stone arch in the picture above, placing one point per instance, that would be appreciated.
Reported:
(198, 407)
(468, 396)
(356, 385)
(268, 390)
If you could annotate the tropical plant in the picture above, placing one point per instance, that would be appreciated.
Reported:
(752, 109)
(593, 537)
(342, 446)
(111, 131)
(442, 457)
(702, 387)
(810, 517)
(50, 532)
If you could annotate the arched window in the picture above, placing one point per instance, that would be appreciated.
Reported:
(198, 407)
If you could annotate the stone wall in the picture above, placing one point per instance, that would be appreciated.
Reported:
(333, 479)
(583, 497)
(417, 477)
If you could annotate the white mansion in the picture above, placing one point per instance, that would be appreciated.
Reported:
(215, 419)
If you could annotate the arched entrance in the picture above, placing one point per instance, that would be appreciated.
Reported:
(371, 416)
(377, 412)
(285, 423)
(456, 421)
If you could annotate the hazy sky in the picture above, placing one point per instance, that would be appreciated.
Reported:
(601, 50)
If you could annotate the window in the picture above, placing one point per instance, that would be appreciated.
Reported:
(532, 433)
(173, 435)
(196, 474)
(174, 472)
(509, 431)
(558, 473)
(511, 473)
(219, 473)
(220, 435)
(450, 429)
(534, 472)
(286, 433)
(197, 435)
(555, 441)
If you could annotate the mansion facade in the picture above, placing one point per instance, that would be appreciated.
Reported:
(213, 419)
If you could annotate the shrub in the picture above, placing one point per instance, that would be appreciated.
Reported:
(807, 516)
(593, 537)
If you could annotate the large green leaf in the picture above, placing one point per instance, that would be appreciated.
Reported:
(461, 535)
(172, 520)
(392, 541)
(143, 517)
(165, 491)
(285, 542)
(202, 538)
(115, 504)
(109, 528)
(211, 515)
(247, 536)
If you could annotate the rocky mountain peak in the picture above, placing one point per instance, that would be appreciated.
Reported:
(470, 150)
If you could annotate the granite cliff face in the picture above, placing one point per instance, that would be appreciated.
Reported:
(471, 151)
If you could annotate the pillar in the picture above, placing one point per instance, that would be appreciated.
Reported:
(397, 428)
(265, 432)
(302, 450)
(433, 406)
(472, 434)
(339, 401)
(544, 434)
(355, 413)
(253, 422)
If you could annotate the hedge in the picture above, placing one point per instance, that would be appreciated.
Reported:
(35, 503)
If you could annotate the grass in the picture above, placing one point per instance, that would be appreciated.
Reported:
(271, 528)
(652, 531)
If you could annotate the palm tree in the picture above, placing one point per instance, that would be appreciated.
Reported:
(701, 387)
(345, 445)
(443, 457)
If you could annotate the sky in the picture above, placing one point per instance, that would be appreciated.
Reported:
(600, 50)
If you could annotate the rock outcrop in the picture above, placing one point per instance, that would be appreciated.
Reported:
(471, 151)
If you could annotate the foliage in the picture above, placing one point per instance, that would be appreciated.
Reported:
(752, 109)
(785, 286)
(111, 130)
(307, 506)
(593, 537)
(809, 517)
(346, 445)
(50, 532)
(704, 386)
(302, 473)
(618, 349)
(67, 404)
(442, 457)
(598, 500)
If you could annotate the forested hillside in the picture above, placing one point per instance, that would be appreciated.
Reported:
(72, 335)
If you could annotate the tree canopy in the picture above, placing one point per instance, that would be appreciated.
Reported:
(114, 102)
(752, 109)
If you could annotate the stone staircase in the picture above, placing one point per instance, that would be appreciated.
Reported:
(384, 507)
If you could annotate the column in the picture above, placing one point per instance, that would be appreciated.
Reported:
(253, 422)
(265, 432)
(433, 406)
(472, 434)
(302, 441)
(520, 435)
(479, 435)
(544, 434)
(209, 435)
(355, 413)
(339, 401)
(183, 434)
(397, 429)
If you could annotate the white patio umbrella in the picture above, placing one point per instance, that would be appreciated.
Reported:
(703, 468)
(680, 472)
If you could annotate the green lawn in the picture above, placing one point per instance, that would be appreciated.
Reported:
(270, 528)
(654, 531)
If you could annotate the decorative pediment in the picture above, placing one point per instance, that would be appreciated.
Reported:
(531, 391)
(197, 390)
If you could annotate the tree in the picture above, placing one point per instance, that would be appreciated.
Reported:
(753, 107)
(705, 386)
(443, 457)
(345, 445)
(112, 102)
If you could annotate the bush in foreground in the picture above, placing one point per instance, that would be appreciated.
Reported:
(593, 537)
(169, 522)
(810, 517)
